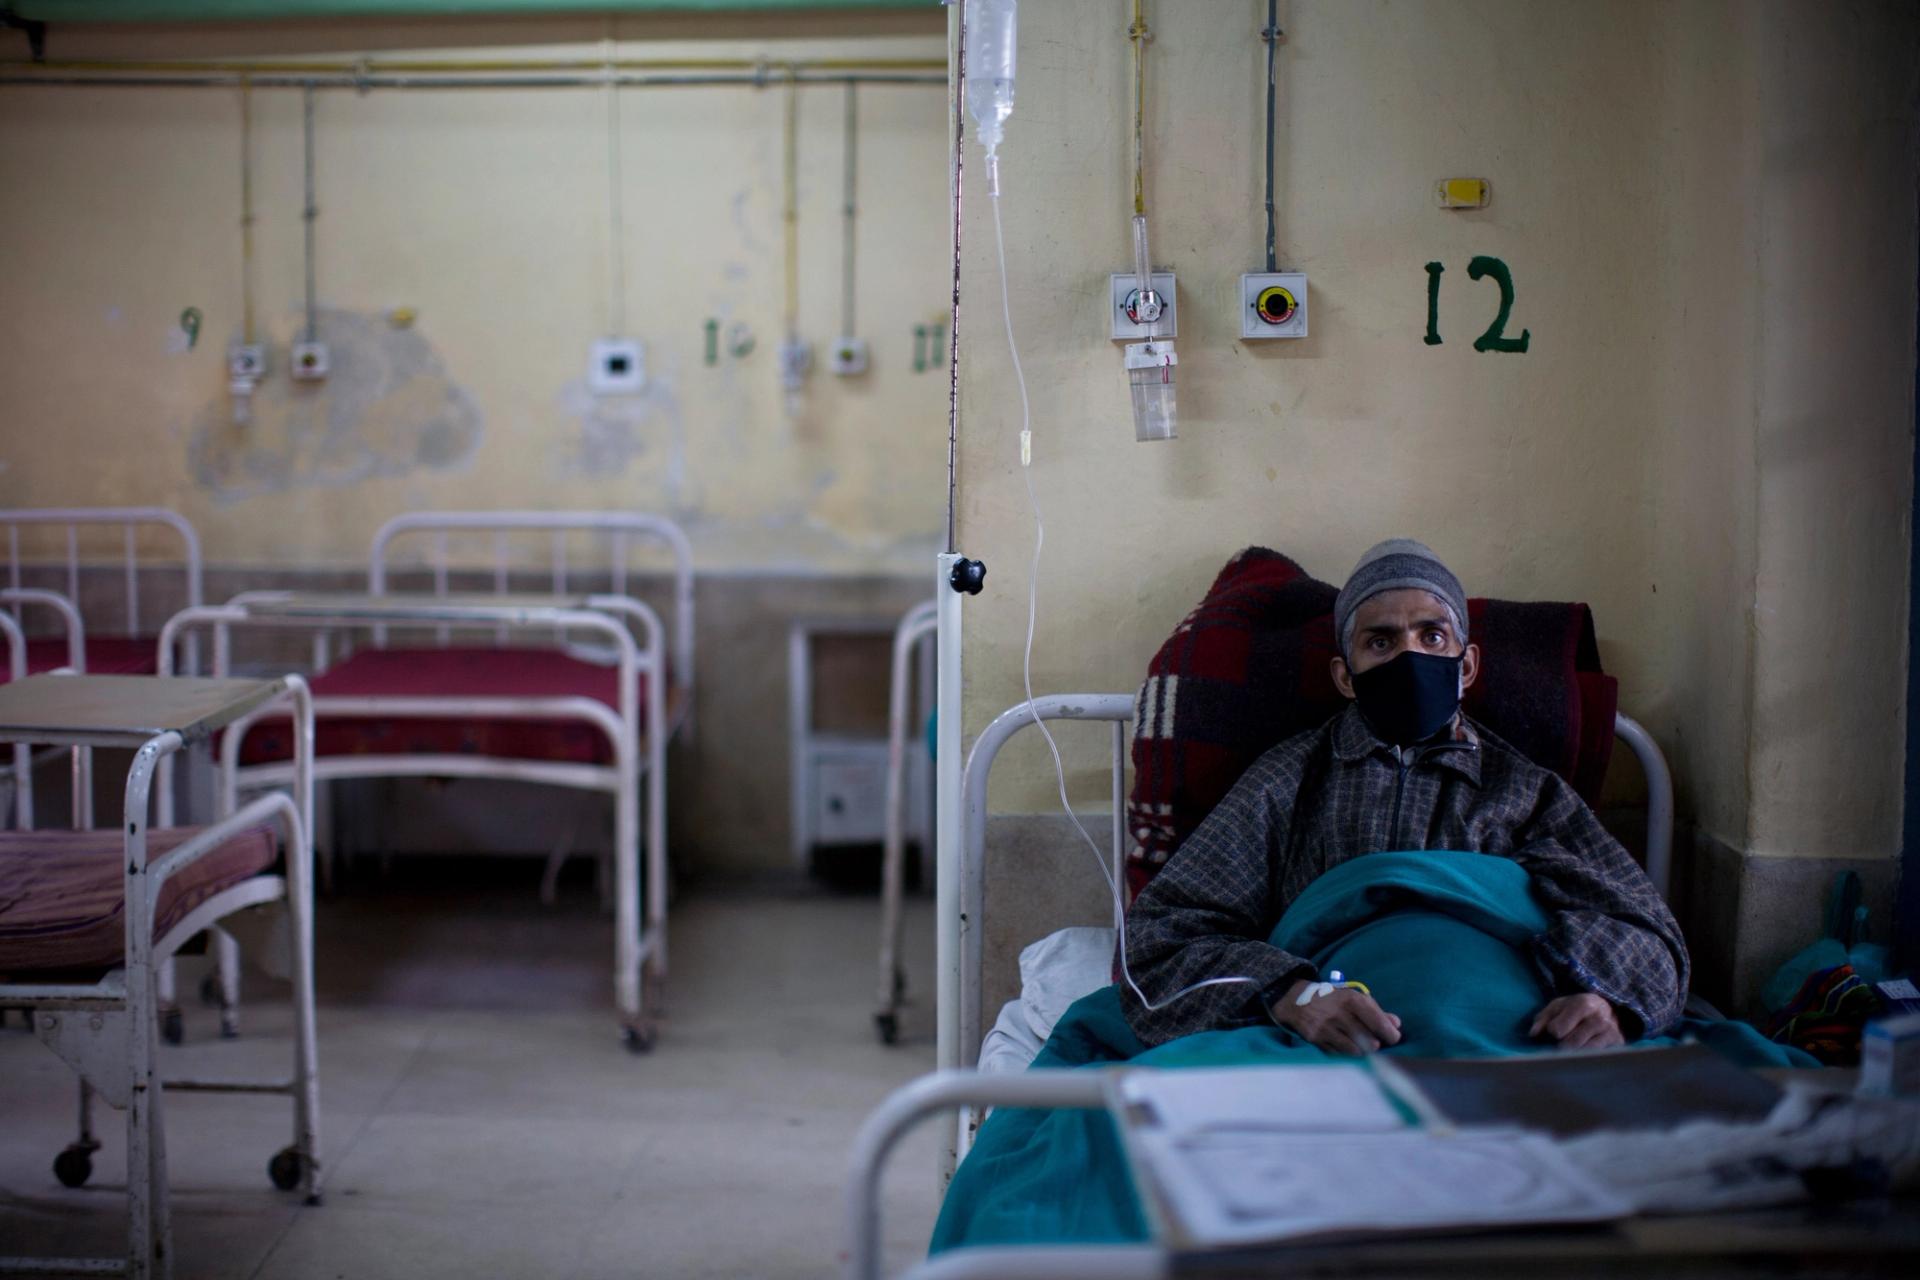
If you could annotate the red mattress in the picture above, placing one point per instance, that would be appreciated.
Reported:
(63, 894)
(472, 672)
(106, 656)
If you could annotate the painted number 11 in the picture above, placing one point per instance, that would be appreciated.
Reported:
(1494, 339)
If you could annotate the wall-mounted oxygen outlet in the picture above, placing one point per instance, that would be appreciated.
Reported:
(1273, 304)
(849, 356)
(1125, 313)
(308, 361)
(247, 361)
(615, 366)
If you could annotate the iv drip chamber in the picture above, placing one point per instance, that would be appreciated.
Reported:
(992, 26)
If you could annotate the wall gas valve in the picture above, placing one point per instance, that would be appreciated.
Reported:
(1273, 304)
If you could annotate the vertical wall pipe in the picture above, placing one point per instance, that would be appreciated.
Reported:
(848, 212)
(311, 211)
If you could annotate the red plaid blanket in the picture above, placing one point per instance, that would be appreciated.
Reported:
(1249, 667)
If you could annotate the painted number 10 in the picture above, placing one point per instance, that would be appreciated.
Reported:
(1494, 339)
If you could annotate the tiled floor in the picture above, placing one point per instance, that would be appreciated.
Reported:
(480, 1118)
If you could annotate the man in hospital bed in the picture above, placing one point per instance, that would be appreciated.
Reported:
(1401, 768)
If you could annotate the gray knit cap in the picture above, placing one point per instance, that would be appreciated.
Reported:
(1391, 566)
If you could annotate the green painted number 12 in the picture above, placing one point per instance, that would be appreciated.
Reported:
(1494, 339)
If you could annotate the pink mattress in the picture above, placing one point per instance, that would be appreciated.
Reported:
(471, 672)
(62, 893)
(106, 656)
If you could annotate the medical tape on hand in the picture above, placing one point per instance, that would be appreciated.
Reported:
(1315, 990)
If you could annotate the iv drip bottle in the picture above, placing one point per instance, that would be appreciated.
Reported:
(991, 29)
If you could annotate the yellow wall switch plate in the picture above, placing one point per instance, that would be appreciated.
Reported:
(1463, 193)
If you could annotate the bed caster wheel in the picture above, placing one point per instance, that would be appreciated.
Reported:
(888, 1024)
(229, 1027)
(286, 1168)
(173, 1028)
(73, 1166)
(210, 990)
(639, 1039)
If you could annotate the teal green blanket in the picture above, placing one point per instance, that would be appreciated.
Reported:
(1439, 938)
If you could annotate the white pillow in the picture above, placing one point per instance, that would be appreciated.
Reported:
(1061, 968)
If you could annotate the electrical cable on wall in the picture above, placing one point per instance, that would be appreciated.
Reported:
(310, 211)
(309, 361)
(795, 357)
(1272, 36)
(616, 205)
(848, 211)
(246, 213)
(247, 358)
(849, 352)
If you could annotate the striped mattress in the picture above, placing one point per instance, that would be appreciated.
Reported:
(62, 893)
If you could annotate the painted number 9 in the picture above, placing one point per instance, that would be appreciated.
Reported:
(1494, 339)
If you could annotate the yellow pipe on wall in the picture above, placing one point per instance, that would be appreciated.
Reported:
(774, 69)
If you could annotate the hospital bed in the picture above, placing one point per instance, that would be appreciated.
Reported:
(1069, 964)
(1056, 971)
(113, 646)
(92, 912)
(591, 704)
(911, 639)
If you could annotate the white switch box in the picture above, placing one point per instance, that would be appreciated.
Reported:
(1124, 290)
(1273, 304)
(308, 361)
(849, 356)
(616, 366)
(247, 361)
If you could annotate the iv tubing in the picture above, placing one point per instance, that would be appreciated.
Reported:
(1033, 610)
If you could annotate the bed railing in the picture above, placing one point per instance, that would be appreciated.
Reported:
(621, 528)
(130, 520)
(915, 628)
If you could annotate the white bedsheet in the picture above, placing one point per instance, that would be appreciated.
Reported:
(1054, 972)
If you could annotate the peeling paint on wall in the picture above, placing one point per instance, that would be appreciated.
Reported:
(388, 408)
(617, 431)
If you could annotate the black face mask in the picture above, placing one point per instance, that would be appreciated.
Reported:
(1410, 698)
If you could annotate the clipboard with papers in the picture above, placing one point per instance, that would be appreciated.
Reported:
(1240, 1156)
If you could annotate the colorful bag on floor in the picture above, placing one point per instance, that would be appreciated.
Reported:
(1822, 998)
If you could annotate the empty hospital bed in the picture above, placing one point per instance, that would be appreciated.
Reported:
(90, 913)
(571, 687)
(117, 641)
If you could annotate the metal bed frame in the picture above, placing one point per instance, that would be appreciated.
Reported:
(638, 738)
(104, 1029)
(130, 520)
(16, 640)
(916, 628)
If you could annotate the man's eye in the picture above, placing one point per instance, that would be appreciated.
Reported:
(1435, 638)
(1377, 643)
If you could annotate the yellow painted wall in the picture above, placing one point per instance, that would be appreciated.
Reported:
(486, 212)
(1708, 210)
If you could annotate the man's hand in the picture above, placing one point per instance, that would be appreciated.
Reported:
(1347, 1021)
(1585, 1021)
